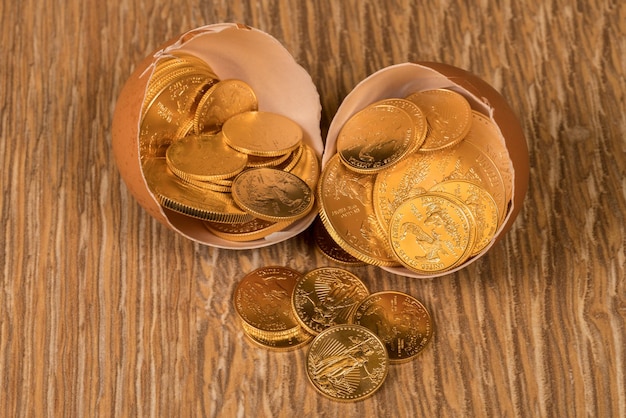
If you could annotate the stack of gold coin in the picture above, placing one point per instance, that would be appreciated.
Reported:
(354, 335)
(209, 153)
(422, 181)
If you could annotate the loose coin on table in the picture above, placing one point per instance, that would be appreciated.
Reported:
(326, 296)
(272, 195)
(432, 233)
(400, 320)
(347, 363)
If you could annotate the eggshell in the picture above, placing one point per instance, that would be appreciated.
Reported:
(402, 79)
(232, 51)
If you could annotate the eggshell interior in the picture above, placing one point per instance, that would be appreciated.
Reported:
(232, 51)
(402, 79)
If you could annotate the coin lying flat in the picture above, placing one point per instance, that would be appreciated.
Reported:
(449, 117)
(222, 101)
(179, 196)
(272, 195)
(420, 124)
(245, 231)
(399, 320)
(432, 233)
(326, 296)
(263, 300)
(376, 138)
(264, 134)
(347, 363)
(204, 157)
(278, 342)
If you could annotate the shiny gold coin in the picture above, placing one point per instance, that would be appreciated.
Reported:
(449, 117)
(261, 162)
(264, 134)
(480, 203)
(179, 196)
(420, 171)
(420, 123)
(278, 343)
(204, 157)
(246, 231)
(485, 135)
(293, 158)
(329, 248)
(168, 113)
(345, 208)
(272, 195)
(222, 101)
(326, 296)
(432, 233)
(347, 363)
(262, 299)
(306, 167)
(376, 138)
(400, 321)
(208, 185)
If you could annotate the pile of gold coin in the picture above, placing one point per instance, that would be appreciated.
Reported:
(353, 335)
(422, 182)
(208, 152)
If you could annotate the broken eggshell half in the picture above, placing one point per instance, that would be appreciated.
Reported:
(233, 51)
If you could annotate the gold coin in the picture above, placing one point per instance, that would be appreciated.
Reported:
(376, 138)
(307, 166)
(255, 161)
(326, 296)
(345, 208)
(347, 363)
(329, 248)
(484, 134)
(222, 101)
(419, 119)
(272, 195)
(399, 320)
(264, 134)
(432, 233)
(204, 157)
(449, 117)
(262, 300)
(480, 203)
(168, 113)
(245, 231)
(179, 196)
(420, 171)
(280, 343)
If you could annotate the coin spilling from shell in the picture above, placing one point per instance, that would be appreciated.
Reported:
(353, 335)
(208, 152)
(422, 182)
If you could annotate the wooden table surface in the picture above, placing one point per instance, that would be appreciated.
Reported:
(106, 312)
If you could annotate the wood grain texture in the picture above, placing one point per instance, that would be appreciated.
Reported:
(105, 312)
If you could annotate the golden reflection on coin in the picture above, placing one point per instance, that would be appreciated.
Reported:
(263, 300)
(375, 138)
(264, 134)
(307, 166)
(480, 203)
(347, 363)
(326, 296)
(272, 195)
(179, 196)
(400, 321)
(420, 124)
(329, 248)
(222, 101)
(245, 231)
(431, 233)
(449, 117)
(204, 157)
(419, 172)
(345, 207)
(484, 134)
